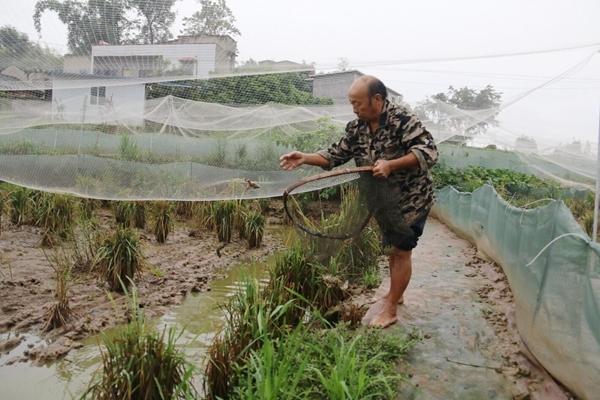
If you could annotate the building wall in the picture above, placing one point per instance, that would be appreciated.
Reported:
(77, 64)
(119, 58)
(334, 86)
(122, 104)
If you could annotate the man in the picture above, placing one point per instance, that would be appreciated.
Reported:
(402, 152)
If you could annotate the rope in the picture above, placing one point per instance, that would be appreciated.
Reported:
(585, 239)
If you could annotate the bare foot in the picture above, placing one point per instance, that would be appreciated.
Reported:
(386, 317)
(376, 299)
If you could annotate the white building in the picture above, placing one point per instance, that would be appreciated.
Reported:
(97, 99)
(97, 89)
(195, 56)
(335, 86)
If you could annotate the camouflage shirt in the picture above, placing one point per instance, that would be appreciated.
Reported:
(399, 133)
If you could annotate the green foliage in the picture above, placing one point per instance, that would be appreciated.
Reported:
(128, 148)
(124, 213)
(442, 110)
(333, 364)
(284, 88)
(87, 22)
(20, 199)
(17, 50)
(251, 316)
(55, 213)
(214, 18)
(120, 258)
(254, 228)
(163, 220)
(139, 215)
(224, 217)
(138, 363)
(515, 186)
(311, 139)
(59, 312)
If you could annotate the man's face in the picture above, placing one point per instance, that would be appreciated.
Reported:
(365, 107)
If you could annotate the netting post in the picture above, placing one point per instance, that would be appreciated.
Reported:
(596, 199)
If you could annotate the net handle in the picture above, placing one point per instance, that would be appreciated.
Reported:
(325, 175)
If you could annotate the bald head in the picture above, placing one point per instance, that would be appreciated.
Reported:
(367, 95)
(370, 86)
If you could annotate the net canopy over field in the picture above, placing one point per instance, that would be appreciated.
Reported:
(133, 112)
(130, 110)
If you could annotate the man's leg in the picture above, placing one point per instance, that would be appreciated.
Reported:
(400, 273)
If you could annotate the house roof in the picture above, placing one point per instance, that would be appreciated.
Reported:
(350, 71)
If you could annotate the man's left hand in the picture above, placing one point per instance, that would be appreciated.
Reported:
(382, 169)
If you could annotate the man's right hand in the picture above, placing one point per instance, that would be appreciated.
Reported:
(292, 160)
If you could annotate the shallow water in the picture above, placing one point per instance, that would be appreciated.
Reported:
(198, 319)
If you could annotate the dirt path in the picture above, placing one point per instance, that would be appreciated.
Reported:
(463, 306)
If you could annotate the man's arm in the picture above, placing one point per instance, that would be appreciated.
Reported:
(295, 159)
(337, 154)
(422, 151)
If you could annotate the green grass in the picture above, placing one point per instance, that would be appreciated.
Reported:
(139, 363)
(163, 220)
(120, 258)
(336, 363)
(254, 223)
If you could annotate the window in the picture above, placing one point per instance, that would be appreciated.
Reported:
(98, 95)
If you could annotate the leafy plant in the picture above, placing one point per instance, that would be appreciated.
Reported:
(59, 312)
(138, 363)
(124, 213)
(162, 220)
(254, 228)
(120, 258)
(224, 216)
(20, 205)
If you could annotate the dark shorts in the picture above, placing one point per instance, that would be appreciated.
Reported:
(399, 234)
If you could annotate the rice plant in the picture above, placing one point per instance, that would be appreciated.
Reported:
(224, 213)
(124, 213)
(139, 363)
(120, 258)
(239, 219)
(20, 205)
(55, 214)
(139, 215)
(255, 228)
(87, 207)
(251, 316)
(203, 216)
(184, 209)
(86, 243)
(59, 312)
(3, 202)
(163, 223)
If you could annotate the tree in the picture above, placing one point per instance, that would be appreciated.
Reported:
(95, 21)
(214, 18)
(288, 88)
(463, 111)
(88, 22)
(16, 49)
(156, 16)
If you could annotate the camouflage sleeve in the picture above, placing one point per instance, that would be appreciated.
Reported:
(418, 141)
(340, 152)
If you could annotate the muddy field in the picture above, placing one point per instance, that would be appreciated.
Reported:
(182, 265)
